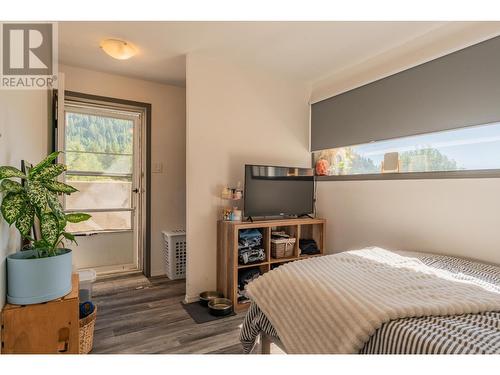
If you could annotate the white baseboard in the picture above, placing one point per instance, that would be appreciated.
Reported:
(157, 272)
(110, 270)
(190, 299)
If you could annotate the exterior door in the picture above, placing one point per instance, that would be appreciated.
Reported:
(102, 145)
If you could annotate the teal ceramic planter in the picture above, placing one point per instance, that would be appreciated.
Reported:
(38, 280)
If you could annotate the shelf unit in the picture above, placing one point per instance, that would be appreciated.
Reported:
(228, 266)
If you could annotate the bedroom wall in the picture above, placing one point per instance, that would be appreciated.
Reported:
(168, 146)
(455, 216)
(23, 135)
(234, 116)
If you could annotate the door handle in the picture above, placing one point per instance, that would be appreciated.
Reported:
(136, 190)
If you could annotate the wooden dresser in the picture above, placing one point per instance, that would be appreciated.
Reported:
(228, 266)
(43, 328)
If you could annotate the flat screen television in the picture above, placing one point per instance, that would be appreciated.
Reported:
(278, 191)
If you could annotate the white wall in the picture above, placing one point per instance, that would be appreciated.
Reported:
(453, 216)
(456, 217)
(234, 116)
(168, 138)
(23, 135)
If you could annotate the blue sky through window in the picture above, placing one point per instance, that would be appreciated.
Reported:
(476, 147)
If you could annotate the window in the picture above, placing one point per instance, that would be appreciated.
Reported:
(474, 148)
(99, 154)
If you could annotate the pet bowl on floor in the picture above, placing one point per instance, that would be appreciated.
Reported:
(220, 306)
(206, 297)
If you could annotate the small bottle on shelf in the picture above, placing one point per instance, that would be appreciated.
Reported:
(227, 193)
(238, 192)
(236, 214)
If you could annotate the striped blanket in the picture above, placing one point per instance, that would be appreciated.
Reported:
(466, 333)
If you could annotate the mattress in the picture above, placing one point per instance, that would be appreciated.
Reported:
(457, 334)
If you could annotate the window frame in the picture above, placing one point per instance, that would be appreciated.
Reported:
(436, 175)
(144, 229)
(439, 175)
(76, 105)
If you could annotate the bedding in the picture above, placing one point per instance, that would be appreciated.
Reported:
(379, 302)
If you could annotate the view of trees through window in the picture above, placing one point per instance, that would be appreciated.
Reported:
(98, 143)
(421, 160)
(472, 148)
(99, 156)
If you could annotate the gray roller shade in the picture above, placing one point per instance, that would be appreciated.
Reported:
(456, 90)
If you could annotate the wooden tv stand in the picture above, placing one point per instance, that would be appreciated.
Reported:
(228, 266)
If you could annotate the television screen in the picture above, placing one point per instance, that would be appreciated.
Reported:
(273, 191)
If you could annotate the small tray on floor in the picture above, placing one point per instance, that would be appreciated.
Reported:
(200, 314)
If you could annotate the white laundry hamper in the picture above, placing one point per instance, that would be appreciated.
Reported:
(174, 253)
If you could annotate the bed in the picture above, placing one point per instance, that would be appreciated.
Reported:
(466, 322)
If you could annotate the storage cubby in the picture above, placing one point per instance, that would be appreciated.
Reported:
(293, 232)
(229, 268)
(247, 244)
(244, 276)
(312, 232)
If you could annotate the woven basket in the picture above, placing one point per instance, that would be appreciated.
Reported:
(87, 332)
(282, 248)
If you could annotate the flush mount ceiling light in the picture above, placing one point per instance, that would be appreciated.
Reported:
(118, 49)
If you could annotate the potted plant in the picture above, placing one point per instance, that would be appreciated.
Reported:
(42, 271)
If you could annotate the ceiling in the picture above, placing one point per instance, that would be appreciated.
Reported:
(306, 51)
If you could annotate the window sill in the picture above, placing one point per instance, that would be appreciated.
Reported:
(486, 173)
(93, 233)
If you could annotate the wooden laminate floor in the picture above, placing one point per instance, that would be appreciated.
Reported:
(140, 315)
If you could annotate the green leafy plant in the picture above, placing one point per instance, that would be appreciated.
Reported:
(38, 197)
